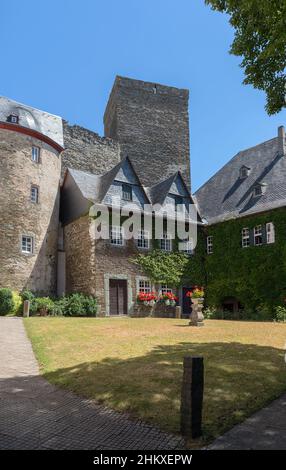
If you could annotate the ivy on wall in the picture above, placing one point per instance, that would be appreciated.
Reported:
(160, 266)
(255, 275)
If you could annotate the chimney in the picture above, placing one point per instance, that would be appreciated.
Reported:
(281, 141)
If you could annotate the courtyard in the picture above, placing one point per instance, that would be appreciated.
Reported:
(135, 365)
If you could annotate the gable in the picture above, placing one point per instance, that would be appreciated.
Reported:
(178, 187)
(126, 175)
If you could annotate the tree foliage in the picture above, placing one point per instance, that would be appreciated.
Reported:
(260, 38)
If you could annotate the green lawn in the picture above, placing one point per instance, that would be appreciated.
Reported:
(135, 365)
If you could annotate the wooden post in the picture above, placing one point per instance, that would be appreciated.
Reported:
(192, 397)
(26, 310)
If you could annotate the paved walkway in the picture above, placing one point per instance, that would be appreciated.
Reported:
(36, 415)
(265, 430)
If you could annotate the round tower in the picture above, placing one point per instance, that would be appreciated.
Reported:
(31, 142)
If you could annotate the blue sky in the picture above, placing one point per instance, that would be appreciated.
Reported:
(62, 56)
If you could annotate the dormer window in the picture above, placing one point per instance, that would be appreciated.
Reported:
(259, 189)
(126, 192)
(14, 118)
(244, 172)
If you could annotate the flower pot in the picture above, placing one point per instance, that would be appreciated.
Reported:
(167, 302)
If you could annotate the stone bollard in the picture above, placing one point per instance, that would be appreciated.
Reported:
(192, 397)
(26, 309)
(178, 312)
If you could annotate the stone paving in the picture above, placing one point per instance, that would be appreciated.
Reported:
(36, 415)
(265, 430)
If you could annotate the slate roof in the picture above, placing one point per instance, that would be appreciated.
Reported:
(41, 121)
(226, 196)
(159, 191)
(94, 187)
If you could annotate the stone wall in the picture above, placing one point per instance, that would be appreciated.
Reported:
(151, 123)
(80, 254)
(87, 151)
(19, 216)
(91, 264)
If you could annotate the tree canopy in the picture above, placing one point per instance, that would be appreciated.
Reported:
(260, 38)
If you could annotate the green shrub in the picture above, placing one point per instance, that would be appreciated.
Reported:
(280, 314)
(18, 304)
(7, 303)
(28, 295)
(45, 305)
(79, 305)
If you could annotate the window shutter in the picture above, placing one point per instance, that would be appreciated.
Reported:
(251, 236)
(264, 236)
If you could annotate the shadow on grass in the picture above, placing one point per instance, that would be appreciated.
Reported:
(239, 379)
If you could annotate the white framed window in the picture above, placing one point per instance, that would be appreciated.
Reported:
(27, 244)
(35, 154)
(14, 118)
(209, 244)
(270, 233)
(143, 240)
(165, 289)
(166, 242)
(116, 235)
(126, 192)
(258, 235)
(34, 194)
(186, 247)
(144, 285)
(245, 238)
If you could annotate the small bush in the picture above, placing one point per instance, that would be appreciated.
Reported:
(45, 305)
(28, 295)
(79, 305)
(18, 304)
(280, 314)
(7, 303)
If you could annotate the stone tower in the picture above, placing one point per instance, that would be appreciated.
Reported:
(31, 142)
(151, 123)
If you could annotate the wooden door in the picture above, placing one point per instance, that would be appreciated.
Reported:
(118, 296)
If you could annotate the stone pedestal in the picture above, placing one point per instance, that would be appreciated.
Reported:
(178, 312)
(196, 317)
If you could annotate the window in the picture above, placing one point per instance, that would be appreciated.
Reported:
(244, 172)
(257, 191)
(166, 242)
(143, 239)
(245, 240)
(165, 289)
(35, 154)
(270, 233)
(144, 286)
(209, 245)
(27, 244)
(186, 247)
(116, 235)
(258, 235)
(14, 118)
(127, 192)
(35, 194)
(179, 201)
